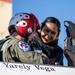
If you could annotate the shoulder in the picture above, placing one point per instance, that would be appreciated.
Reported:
(60, 49)
(12, 41)
(18, 45)
(22, 45)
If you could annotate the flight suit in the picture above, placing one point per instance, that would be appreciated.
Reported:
(19, 51)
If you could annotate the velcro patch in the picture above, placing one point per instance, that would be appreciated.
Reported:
(24, 46)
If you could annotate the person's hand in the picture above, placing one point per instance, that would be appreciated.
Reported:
(30, 38)
(52, 61)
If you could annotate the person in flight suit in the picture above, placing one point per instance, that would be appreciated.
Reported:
(16, 49)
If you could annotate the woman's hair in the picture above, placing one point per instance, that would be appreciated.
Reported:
(52, 20)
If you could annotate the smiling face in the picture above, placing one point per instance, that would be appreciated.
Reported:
(49, 32)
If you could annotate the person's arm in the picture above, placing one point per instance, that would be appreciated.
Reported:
(31, 57)
(58, 60)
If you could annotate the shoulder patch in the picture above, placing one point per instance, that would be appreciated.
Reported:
(24, 46)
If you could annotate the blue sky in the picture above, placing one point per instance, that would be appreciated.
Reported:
(61, 9)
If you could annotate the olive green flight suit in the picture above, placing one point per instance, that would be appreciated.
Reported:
(15, 51)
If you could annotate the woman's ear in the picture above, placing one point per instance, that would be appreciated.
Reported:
(39, 30)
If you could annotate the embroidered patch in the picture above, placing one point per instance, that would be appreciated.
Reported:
(24, 46)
